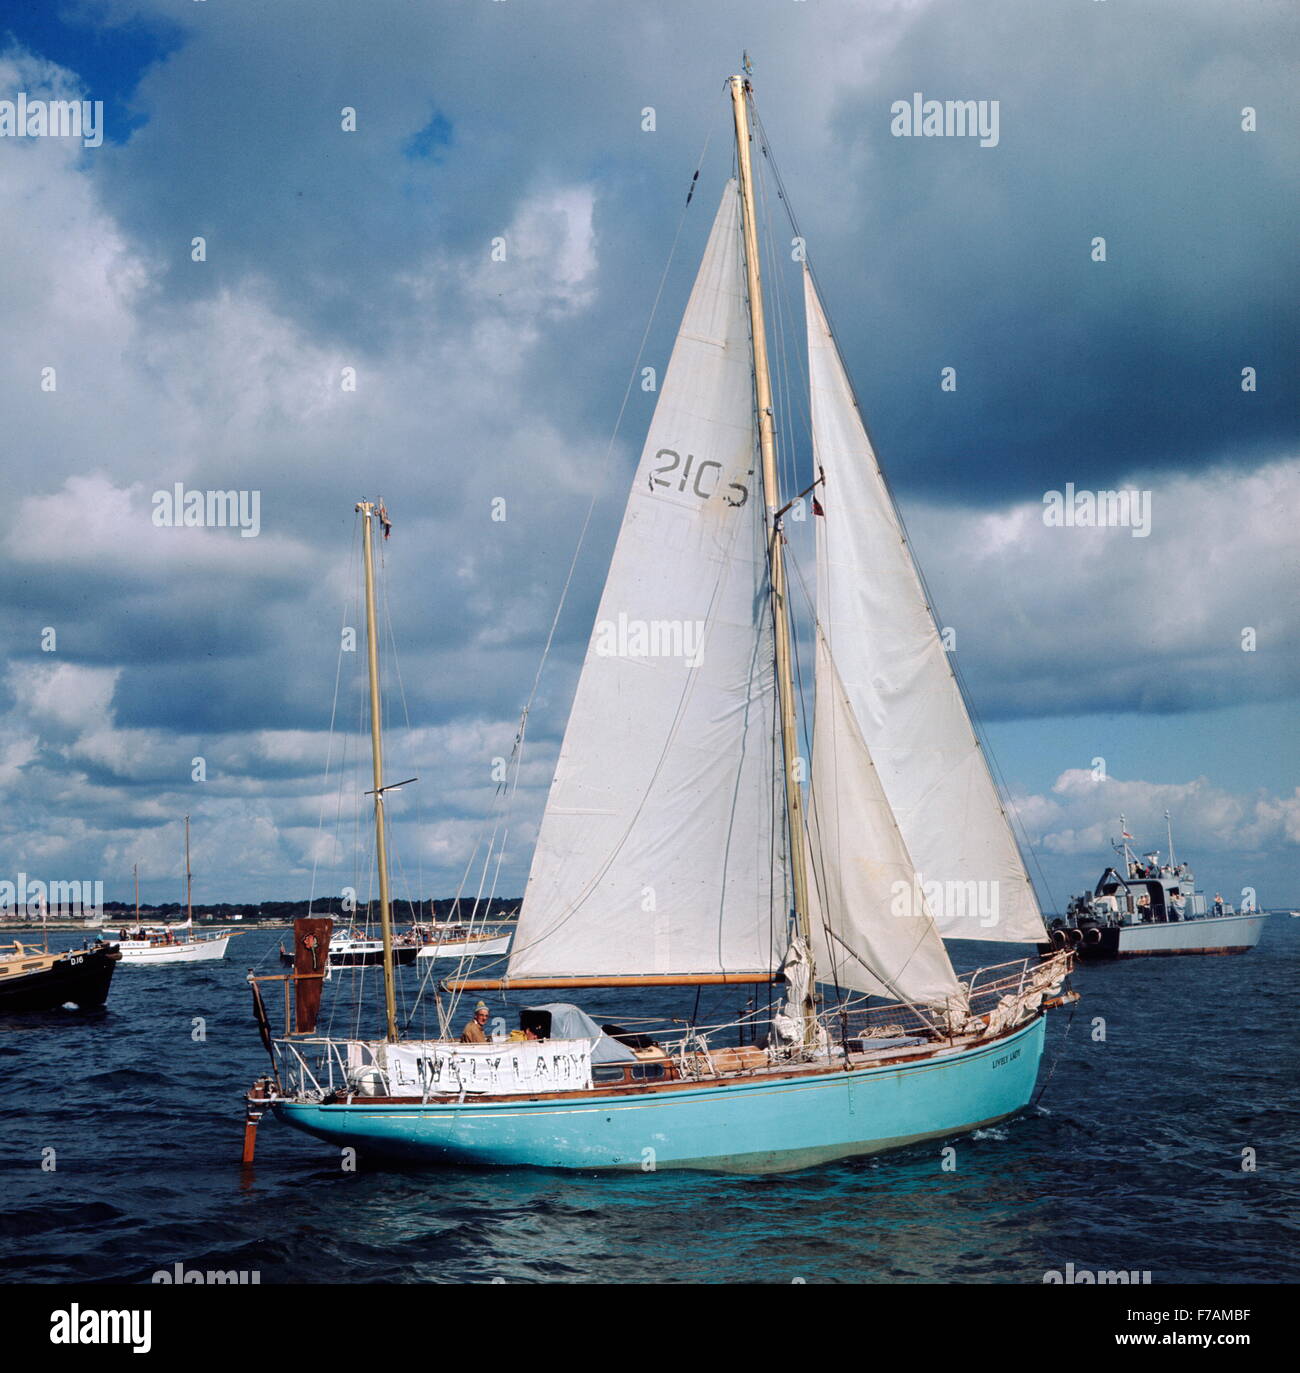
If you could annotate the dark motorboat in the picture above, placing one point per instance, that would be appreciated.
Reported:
(37, 980)
(357, 950)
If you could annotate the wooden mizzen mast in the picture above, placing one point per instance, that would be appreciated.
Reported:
(367, 511)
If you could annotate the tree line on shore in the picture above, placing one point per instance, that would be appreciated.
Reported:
(448, 908)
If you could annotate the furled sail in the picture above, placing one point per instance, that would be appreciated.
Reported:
(872, 930)
(899, 683)
(659, 850)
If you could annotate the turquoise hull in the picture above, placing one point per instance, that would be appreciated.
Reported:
(747, 1126)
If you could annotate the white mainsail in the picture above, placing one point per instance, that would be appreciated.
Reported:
(899, 683)
(660, 850)
(871, 932)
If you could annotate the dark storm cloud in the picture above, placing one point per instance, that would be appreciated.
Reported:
(1123, 123)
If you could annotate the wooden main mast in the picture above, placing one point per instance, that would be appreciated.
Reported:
(367, 512)
(776, 559)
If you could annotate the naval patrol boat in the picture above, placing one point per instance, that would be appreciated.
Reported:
(1143, 906)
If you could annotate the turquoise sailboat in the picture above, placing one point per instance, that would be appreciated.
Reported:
(686, 843)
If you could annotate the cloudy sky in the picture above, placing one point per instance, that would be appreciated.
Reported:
(1172, 658)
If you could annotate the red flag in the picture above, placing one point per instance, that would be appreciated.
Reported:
(817, 509)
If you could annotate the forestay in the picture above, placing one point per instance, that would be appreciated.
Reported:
(898, 681)
(656, 852)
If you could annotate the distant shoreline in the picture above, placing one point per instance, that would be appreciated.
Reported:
(118, 919)
(111, 927)
(270, 915)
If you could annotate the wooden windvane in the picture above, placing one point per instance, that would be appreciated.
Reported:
(311, 946)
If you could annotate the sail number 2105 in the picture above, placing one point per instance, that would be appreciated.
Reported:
(700, 478)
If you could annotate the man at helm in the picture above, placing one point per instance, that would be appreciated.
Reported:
(474, 1033)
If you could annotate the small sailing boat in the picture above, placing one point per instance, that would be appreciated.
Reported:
(163, 945)
(679, 847)
(1149, 908)
(460, 939)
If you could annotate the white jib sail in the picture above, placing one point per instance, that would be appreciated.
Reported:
(901, 687)
(656, 853)
(871, 930)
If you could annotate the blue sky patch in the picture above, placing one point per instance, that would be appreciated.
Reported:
(429, 141)
(108, 59)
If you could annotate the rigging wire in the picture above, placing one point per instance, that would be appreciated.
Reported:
(390, 641)
(888, 981)
(329, 747)
(787, 439)
(1005, 800)
(389, 644)
(503, 798)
